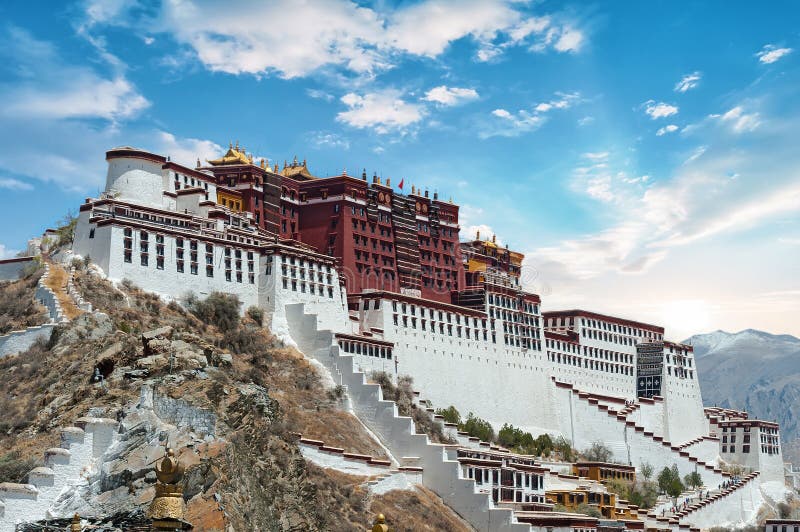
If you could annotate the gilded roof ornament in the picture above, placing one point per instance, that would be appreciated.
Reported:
(234, 155)
(168, 509)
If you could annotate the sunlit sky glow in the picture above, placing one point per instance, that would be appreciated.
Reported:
(644, 159)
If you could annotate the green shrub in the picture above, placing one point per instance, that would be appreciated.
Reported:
(450, 415)
(597, 452)
(14, 468)
(218, 309)
(478, 428)
(256, 314)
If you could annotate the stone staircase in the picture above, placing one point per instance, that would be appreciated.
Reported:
(397, 433)
(684, 459)
(66, 466)
(19, 341)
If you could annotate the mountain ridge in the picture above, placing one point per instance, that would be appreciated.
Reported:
(755, 371)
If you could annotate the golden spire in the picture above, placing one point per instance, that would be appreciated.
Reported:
(167, 509)
(76, 524)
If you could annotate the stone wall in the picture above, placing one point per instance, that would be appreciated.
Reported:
(20, 341)
(10, 269)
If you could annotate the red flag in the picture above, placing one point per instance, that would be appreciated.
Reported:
(400, 186)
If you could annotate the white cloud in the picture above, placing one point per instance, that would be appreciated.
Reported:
(81, 93)
(509, 124)
(771, 53)
(739, 120)
(185, 151)
(671, 128)
(696, 154)
(585, 121)
(383, 110)
(450, 96)
(320, 95)
(688, 82)
(6, 253)
(51, 89)
(261, 38)
(10, 183)
(659, 110)
(570, 40)
(330, 140)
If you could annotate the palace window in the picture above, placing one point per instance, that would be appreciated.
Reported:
(144, 259)
(209, 271)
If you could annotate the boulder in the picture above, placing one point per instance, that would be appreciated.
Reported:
(152, 362)
(162, 332)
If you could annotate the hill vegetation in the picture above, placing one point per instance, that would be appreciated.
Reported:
(209, 359)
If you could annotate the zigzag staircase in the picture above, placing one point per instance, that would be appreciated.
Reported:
(397, 432)
(683, 458)
(65, 466)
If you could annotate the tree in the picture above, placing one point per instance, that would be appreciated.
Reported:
(664, 479)
(543, 445)
(563, 446)
(478, 428)
(598, 452)
(65, 231)
(693, 480)
(450, 415)
(646, 470)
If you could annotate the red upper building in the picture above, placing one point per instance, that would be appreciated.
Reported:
(385, 240)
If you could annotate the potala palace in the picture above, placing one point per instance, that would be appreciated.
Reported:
(364, 277)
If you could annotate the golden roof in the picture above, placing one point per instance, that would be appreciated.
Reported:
(297, 170)
(234, 155)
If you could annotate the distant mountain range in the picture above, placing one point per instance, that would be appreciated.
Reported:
(754, 371)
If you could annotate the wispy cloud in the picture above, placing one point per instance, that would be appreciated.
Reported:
(508, 124)
(9, 183)
(329, 139)
(771, 53)
(671, 128)
(658, 110)
(739, 120)
(449, 96)
(688, 82)
(6, 253)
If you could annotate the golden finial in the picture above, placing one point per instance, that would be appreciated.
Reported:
(388, 181)
(167, 509)
(294, 162)
(276, 169)
(380, 524)
(237, 145)
(304, 163)
(494, 239)
(198, 162)
(76, 524)
(478, 235)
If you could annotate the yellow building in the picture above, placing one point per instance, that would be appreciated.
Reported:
(606, 503)
(603, 472)
(229, 198)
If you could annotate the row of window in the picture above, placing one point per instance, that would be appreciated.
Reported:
(465, 332)
(366, 349)
(589, 364)
(442, 316)
(307, 288)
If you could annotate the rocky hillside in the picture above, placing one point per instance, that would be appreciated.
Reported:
(754, 371)
(219, 389)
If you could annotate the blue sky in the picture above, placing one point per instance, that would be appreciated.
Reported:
(642, 154)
